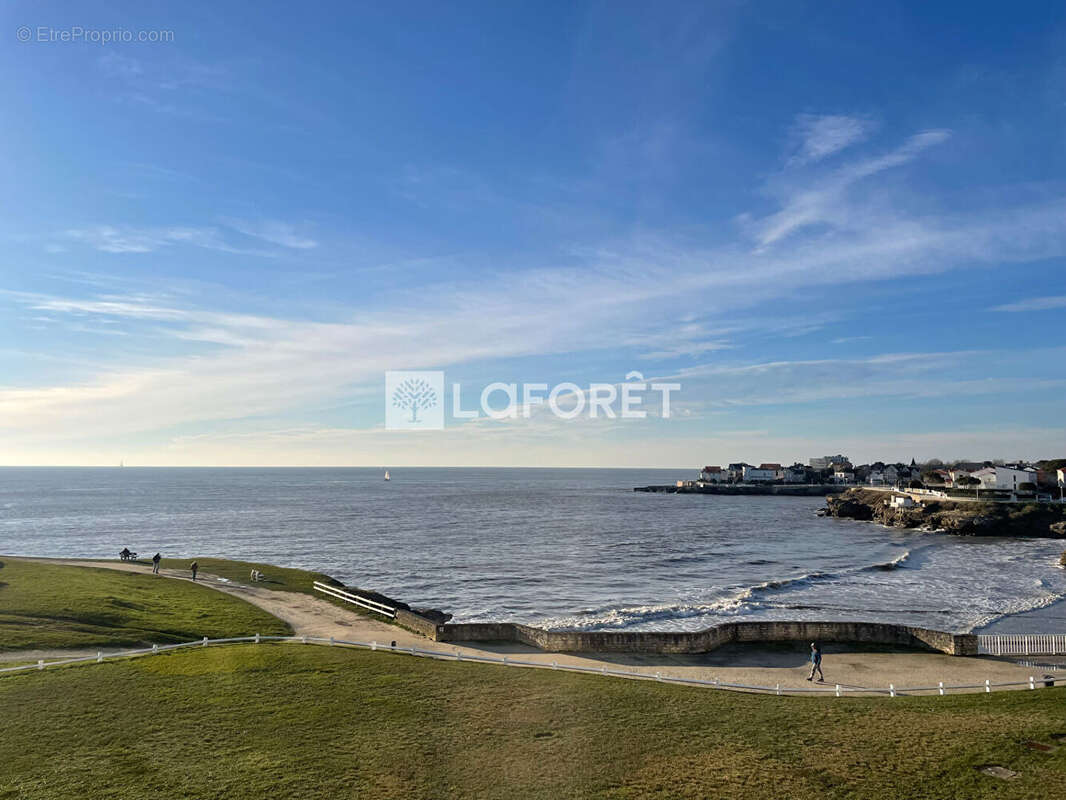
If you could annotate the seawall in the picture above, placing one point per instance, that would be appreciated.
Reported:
(706, 640)
(784, 489)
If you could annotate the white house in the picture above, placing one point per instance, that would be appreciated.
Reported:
(712, 475)
(1061, 476)
(877, 477)
(1004, 478)
(902, 501)
(843, 476)
(795, 474)
(759, 474)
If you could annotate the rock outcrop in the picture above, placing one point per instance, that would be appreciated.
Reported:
(945, 516)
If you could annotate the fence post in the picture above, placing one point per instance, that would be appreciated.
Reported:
(331, 641)
(941, 687)
(155, 649)
(838, 690)
(40, 663)
(892, 689)
(257, 638)
(658, 676)
(555, 665)
(374, 645)
(303, 639)
(1032, 683)
(603, 670)
(205, 642)
(505, 661)
(988, 686)
(778, 689)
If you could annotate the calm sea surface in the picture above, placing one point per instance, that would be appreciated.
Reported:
(561, 548)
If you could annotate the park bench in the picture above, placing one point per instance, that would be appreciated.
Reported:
(127, 555)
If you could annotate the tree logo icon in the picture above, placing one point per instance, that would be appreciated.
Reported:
(414, 394)
(414, 400)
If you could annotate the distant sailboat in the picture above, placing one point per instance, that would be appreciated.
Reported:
(387, 476)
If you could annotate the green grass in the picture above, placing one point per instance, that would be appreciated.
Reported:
(282, 579)
(291, 721)
(46, 606)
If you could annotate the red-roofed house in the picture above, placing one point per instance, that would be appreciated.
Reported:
(712, 475)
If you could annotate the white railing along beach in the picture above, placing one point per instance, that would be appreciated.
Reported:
(1022, 644)
(359, 600)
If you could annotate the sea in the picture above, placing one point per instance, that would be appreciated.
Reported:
(566, 549)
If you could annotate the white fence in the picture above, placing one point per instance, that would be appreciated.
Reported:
(1022, 644)
(838, 690)
(364, 602)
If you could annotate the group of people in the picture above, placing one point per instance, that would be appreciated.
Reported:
(127, 555)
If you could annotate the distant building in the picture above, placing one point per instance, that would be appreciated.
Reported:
(876, 477)
(825, 461)
(712, 475)
(1061, 474)
(797, 473)
(735, 472)
(758, 474)
(1004, 478)
(843, 476)
(777, 469)
(902, 501)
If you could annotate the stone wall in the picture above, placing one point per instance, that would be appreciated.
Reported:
(416, 623)
(708, 639)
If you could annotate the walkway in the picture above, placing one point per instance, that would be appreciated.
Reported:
(754, 665)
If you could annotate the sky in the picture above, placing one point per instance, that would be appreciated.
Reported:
(840, 228)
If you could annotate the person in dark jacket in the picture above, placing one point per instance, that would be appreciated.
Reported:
(194, 566)
(155, 563)
(816, 663)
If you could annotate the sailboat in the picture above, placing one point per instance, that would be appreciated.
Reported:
(387, 476)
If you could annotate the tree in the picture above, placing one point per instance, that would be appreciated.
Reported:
(932, 477)
(1026, 487)
(968, 480)
(916, 484)
(414, 394)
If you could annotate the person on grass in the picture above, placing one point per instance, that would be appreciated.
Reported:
(155, 563)
(194, 566)
(816, 663)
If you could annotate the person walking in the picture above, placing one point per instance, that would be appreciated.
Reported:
(194, 566)
(155, 563)
(816, 663)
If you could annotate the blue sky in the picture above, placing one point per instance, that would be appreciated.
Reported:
(839, 228)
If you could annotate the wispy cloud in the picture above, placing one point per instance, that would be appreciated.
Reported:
(274, 232)
(1035, 304)
(823, 202)
(821, 136)
(130, 239)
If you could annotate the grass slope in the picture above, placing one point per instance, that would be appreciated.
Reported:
(286, 721)
(48, 606)
(282, 579)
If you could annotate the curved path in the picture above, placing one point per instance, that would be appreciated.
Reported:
(754, 665)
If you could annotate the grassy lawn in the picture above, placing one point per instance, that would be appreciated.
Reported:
(47, 606)
(291, 721)
(282, 579)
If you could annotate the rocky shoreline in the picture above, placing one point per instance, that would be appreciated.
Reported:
(1045, 520)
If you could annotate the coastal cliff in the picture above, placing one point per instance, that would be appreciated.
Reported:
(1046, 520)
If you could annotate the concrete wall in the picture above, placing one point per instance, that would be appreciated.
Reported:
(708, 639)
(416, 623)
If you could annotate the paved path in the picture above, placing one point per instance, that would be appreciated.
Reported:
(753, 665)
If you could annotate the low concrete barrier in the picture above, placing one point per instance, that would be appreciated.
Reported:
(708, 639)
